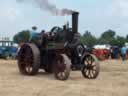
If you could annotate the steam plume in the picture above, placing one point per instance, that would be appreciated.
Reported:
(46, 5)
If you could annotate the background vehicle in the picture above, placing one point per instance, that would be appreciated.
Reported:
(7, 50)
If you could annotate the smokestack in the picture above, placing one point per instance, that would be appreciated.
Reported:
(75, 22)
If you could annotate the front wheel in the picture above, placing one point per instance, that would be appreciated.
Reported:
(91, 67)
(62, 67)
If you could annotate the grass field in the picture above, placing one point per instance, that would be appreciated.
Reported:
(112, 81)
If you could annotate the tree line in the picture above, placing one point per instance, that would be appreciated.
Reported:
(107, 37)
(88, 39)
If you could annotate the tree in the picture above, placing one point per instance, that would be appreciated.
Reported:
(88, 39)
(127, 38)
(22, 36)
(107, 37)
(108, 34)
(120, 40)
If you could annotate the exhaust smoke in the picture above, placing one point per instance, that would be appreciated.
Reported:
(47, 6)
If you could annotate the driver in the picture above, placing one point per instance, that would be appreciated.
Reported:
(44, 38)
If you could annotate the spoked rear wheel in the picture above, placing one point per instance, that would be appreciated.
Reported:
(28, 59)
(62, 67)
(91, 67)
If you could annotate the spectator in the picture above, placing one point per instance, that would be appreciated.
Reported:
(33, 34)
(123, 52)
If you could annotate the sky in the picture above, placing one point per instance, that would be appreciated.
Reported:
(96, 16)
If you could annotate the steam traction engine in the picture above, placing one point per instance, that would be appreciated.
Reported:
(58, 53)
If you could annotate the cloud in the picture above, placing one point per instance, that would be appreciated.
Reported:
(120, 7)
(10, 13)
(9, 10)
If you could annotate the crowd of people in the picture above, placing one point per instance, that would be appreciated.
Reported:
(113, 52)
